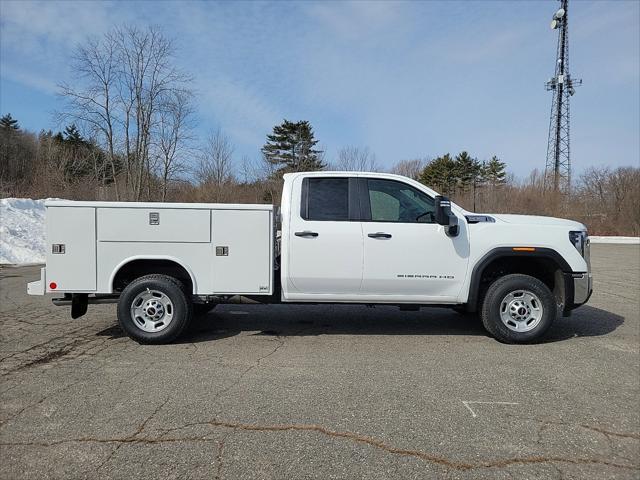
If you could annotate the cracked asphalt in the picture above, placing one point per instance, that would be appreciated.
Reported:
(322, 392)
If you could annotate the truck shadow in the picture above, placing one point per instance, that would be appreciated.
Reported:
(586, 321)
(302, 320)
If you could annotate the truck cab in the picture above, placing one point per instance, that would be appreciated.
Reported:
(339, 237)
(368, 238)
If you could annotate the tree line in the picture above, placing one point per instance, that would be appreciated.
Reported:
(130, 135)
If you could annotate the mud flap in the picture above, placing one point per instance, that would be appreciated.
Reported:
(79, 304)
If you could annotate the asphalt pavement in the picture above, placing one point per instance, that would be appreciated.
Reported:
(322, 392)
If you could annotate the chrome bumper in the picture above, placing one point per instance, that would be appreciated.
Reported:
(582, 287)
(583, 282)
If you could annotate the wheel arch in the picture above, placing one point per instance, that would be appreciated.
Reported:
(140, 265)
(545, 260)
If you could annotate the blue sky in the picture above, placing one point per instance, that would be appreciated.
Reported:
(406, 79)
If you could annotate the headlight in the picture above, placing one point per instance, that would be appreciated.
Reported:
(579, 240)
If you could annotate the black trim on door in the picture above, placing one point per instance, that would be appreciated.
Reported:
(363, 196)
(354, 200)
(304, 199)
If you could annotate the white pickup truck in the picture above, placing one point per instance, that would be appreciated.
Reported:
(339, 237)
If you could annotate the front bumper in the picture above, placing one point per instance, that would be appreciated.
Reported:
(579, 285)
(578, 288)
(582, 287)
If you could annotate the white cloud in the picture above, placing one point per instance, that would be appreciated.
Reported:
(53, 21)
(29, 78)
(37, 38)
(242, 112)
(357, 20)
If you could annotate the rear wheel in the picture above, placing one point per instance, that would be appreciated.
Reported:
(518, 309)
(154, 309)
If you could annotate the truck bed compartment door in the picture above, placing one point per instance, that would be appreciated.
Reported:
(242, 251)
(179, 225)
(71, 248)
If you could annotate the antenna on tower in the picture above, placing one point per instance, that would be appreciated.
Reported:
(558, 167)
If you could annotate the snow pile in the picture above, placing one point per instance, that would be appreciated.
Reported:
(623, 240)
(22, 237)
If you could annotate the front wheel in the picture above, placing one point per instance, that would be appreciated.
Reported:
(518, 309)
(154, 309)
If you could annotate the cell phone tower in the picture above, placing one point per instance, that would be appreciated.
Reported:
(558, 169)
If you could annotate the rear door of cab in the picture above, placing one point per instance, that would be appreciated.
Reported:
(325, 238)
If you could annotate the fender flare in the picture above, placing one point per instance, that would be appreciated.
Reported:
(508, 252)
(152, 257)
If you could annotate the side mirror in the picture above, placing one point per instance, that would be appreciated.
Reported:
(445, 217)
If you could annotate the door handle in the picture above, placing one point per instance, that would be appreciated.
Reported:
(379, 235)
(306, 233)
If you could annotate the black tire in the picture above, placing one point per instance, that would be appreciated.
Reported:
(181, 308)
(492, 303)
(201, 309)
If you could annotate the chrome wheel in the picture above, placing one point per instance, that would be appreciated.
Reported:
(151, 311)
(521, 311)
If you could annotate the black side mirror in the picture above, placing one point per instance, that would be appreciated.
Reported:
(445, 217)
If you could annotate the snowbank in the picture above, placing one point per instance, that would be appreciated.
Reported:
(623, 240)
(22, 230)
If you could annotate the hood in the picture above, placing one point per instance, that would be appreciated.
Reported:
(540, 220)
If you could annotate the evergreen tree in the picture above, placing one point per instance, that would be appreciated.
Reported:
(290, 148)
(72, 135)
(440, 174)
(468, 171)
(9, 123)
(494, 172)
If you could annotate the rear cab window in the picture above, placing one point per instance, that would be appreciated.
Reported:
(327, 199)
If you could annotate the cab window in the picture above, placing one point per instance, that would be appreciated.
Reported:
(393, 201)
(325, 199)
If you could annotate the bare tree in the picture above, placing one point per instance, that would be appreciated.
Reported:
(17, 149)
(356, 159)
(215, 167)
(257, 177)
(173, 136)
(594, 182)
(249, 171)
(611, 197)
(94, 104)
(123, 79)
(272, 182)
(410, 168)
